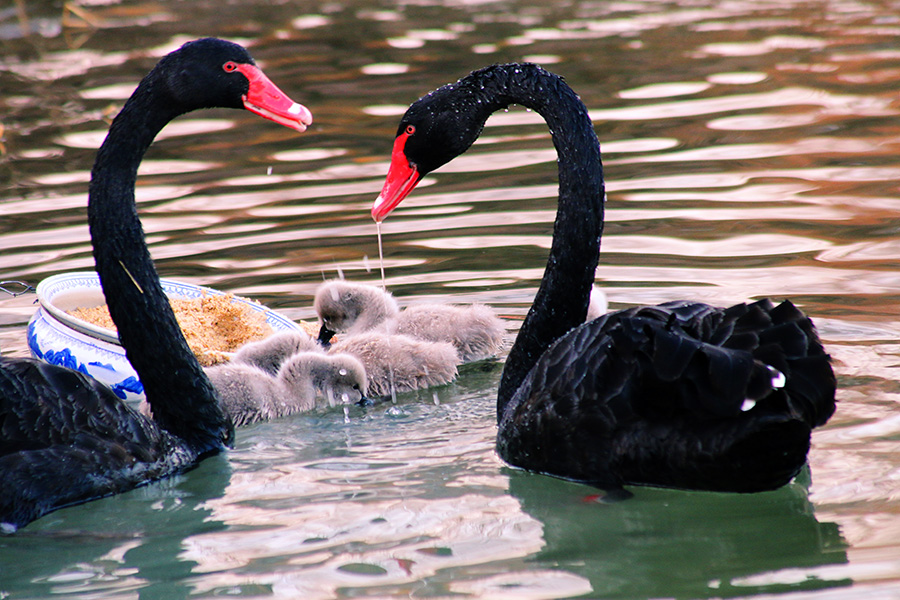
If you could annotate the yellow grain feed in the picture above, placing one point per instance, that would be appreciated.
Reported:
(211, 324)
(310, 328)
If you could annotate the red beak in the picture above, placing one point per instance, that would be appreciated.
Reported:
(265, 99)
(402, 177)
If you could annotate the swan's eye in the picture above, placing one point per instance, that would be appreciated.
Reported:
(410, 129)
(229, 66)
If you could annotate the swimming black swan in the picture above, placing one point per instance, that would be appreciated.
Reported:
(352, 308)
(680, 395)
(66, 439)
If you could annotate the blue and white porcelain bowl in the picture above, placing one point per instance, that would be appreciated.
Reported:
(61, 339)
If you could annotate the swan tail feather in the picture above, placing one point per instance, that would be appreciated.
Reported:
(792, 346)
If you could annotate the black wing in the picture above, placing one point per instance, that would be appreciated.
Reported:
(65, 438)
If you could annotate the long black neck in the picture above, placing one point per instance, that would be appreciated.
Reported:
(181, 397)
(562, 300)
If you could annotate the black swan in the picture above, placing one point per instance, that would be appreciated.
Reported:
(67, 439)
(346, 307)
(681, 395)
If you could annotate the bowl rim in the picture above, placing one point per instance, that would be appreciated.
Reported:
(50, 287)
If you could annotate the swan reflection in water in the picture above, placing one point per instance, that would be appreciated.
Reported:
(127, 542)
(247, 530)
(684, 544)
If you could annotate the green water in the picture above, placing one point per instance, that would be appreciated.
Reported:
(750, 150)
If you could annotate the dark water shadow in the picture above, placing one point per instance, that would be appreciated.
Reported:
(675, 544)
(131, 541)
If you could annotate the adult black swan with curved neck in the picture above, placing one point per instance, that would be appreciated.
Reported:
(680, 395)
(66, 439)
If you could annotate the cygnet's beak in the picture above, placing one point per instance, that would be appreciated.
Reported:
(325, 336)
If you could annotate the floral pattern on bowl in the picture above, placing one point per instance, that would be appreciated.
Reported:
(61, 339)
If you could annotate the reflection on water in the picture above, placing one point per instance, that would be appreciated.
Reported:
(750, 150)
(701, 545)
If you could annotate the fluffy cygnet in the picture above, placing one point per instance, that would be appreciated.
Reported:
(268, 354)
(248, 394)
(413, 364)
(399, 362)
(352, 308)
